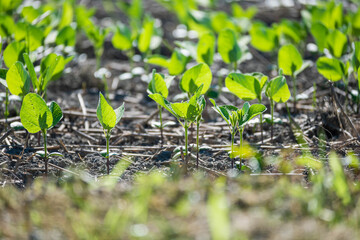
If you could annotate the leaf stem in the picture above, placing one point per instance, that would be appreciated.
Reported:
(107, 152)
(294, 90)
(241, 131)
(272, 117)
(161, 125)
(197, 141)
(186, 126)
(232, 148)
(45, 151)
(6, 113)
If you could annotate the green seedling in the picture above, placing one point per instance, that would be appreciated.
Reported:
(145, 35)
(228, 47)
(248, 87)
(319, 32)
(199, 75)
(31, 34)
(175, 65)
(3, 82)
(108, 118)
(277, 91)
(123, 39)
(291, 63)
(51, 68)
(160, 85)
(336, 43)
(263, 38)
(185, 112)
(356, 66)
(206, 48)
(37, 116)
(13, 53)
(237, 119)
(66, 36)
(290, 32)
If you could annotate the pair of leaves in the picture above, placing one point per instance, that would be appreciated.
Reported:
(238, 117)
(246, 87)
(331, 68)
(228, 47)
(66, 36)
(36, 115)
(206, 48)
(122, 38)
(195, 77)
(159, 85)
(263, 38)
(175, 65)
(278, 90)
(108, 117)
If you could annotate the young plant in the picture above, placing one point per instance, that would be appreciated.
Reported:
(247, 87)
(237, 119)
(175, 65)
(206, 48)
(291, 62)
(228, 47)
(37, 116)
(159, 85)
(108, 118)
(277, 91)
(3, 82)
(185, 112)
(263, 38)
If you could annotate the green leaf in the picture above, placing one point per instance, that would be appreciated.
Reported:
(29, 13)
(122, 38)
(319, 32)
(119, 112)
(66, 36)
(33, 35)
(56, 65)
(105, 113)
(13, 52)
(289, 59)
(18, 80)
(263, 38)
(3, 73)
(56, 113)
(67, 14)
(146, 34)
(31, 70)
(331, 68)
(55, 154)
(228, 46)
(158, 60)
(177, 63)
(336, 42)
(243, 86)
(251, 112)
(158, 85)
(7, 25)
(195, 77)
(158, 98)
(278, 90)
(35, 114)
(224, 111)
(206, 48)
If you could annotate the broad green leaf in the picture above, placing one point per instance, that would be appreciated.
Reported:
(289, 59)
(331, 68)
(319, 32)
(196, 76)
(35, 114)
(56, 113)
(29, 13)
(356, 55)
(206, 48)
(33, 35)
(67, 14)
(158, 98)
(220, 20)
(56, 61)
(9, 5)
(339, 181)
(122, 38)
(7, 25)
(145, 35)
(336, 42)
(119, 112)
(158, 85)
(293, 31)
(228, 46)
(18, 80)
(158, 60)
(263, 38)
(66, 36)
(177, 63)
(243, 86)
(13, 52)
(31, 70)
(185, 110)
(253, 111)
(105, 113)
(278, 90)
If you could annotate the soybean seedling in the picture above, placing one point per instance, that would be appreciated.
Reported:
(160, 86)
(237, 119)
(291, 63)
(277, 91)
(199, 75)
(248, 87)
(185, 112)
(229, 48)
(36, 116)
(108, 118)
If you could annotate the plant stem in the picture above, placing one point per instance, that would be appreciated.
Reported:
(161, 125)
(235, 66)
(232, 148)
(197, 141)
(241, 130)
(45, 152)
(107, 152)
(6, 113)
(186, 126)
(272, 117)
(261, 124)
(294, 90)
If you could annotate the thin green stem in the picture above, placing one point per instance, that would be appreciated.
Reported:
(6, 113)
(232, 148)
(241, 130)
(235, 66)
(161, 125)
(45, 151)
(294, 90)
(272, 117)
(186, 126)
(197, 141)
(108, 152)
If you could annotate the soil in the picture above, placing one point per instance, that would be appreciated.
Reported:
(79, 137)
